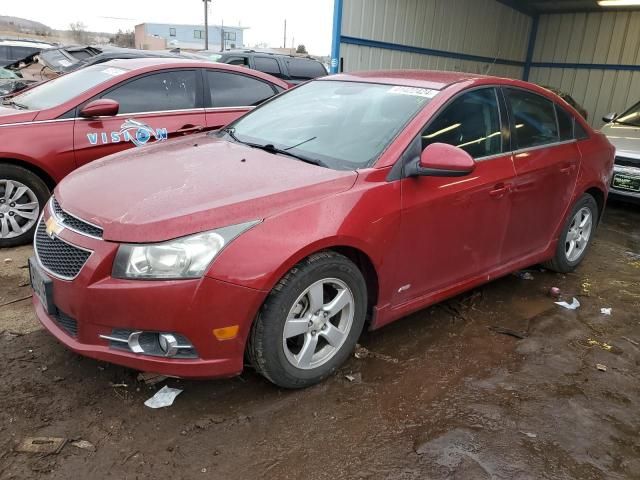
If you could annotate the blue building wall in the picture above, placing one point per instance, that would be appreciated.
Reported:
(193, 35)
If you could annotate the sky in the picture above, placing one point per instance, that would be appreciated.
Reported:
(308, 21)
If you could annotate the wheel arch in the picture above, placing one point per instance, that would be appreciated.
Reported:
(351, 249)
(600, 197)
(33, 168)
(368, 270)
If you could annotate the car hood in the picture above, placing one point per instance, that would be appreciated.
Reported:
(625, 138)
(11, 115)
(164, 191)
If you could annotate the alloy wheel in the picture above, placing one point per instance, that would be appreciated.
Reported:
(19, 209)
(318, 323)
(579, 234)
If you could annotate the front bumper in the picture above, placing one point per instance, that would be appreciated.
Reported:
(626, 170)
(98, 304)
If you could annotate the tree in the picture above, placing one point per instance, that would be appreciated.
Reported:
(124, 39)
(301, 49)
(79, 32)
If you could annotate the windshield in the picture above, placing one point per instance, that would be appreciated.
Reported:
(4, 73)
(630, 117)
(62, 89)
(341, 125)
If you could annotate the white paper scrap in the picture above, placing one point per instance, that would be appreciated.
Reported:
(569, 306)
(163, 397)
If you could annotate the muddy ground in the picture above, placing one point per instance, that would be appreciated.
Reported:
(437, 395)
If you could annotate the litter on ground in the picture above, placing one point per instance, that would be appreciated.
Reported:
(47, 445)
(575, 304)
(605, 311)
(163, 397)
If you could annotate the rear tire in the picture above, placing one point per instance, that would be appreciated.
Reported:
(309, 324)
(22, 196)
(576, 235)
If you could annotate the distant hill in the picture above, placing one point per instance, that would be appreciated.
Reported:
(22, 25)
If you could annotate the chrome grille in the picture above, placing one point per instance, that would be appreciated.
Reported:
(627, 162)
(74, 223)
(58, 257)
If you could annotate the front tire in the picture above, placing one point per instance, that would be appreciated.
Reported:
(309, 324)
(576, 235)
(22, 197)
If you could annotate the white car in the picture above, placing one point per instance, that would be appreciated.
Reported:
(623, 131)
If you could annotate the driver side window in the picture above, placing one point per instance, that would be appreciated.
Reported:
(471, 122)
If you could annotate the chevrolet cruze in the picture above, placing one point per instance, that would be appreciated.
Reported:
(343, 204)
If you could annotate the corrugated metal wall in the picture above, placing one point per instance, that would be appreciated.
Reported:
(591, 38)
(477, 27)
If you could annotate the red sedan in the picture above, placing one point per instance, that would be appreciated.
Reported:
(343, 204)
(48, 131)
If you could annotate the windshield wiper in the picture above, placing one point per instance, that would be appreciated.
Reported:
(269, 147)
(232, 133)
(15, 104)
(301, 143)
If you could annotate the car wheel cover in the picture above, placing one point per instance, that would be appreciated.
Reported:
(579, 234)
(19, 209)
(318, 323)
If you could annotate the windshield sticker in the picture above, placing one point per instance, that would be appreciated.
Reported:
(132, 131)
(414, 91)
(64, 63)
(114, 72)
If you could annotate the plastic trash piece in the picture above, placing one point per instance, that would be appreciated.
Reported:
(163, 397)
(574, 305)
(601, 367)
(606, 311)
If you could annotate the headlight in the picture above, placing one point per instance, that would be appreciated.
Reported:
(186, 257)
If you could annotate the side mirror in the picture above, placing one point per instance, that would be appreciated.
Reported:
(100, 108)
(610, 117)
(442, 160)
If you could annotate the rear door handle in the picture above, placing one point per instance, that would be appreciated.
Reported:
(567, 168)
(500, 190)
(190, 129)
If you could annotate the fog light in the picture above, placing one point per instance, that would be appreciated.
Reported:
(168, 344)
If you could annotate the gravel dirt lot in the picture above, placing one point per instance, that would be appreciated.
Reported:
(438, 395)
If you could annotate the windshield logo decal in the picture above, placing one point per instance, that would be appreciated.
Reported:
(131, 130)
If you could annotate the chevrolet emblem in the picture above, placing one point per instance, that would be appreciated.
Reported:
(53, 227)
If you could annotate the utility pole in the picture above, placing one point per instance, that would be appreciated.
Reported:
(206, 24)
(223, 42)
(284, 44)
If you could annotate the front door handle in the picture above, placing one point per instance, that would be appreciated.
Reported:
(186, 129)
(500, 190)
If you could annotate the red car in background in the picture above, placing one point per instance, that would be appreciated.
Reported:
(348, 201)
(51, 129)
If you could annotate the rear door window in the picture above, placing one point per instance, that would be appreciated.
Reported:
(267, 65)
(471, 122)
(172, 90)
(236, 90)
(533, 117)
(304, 68)
(565, 123)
